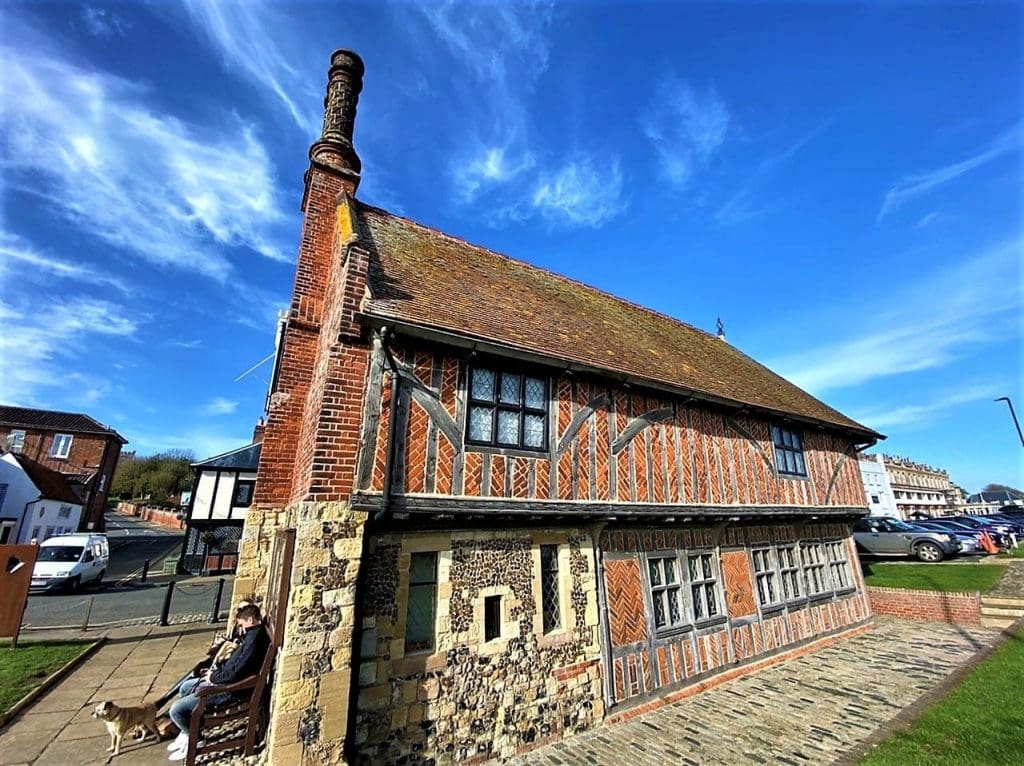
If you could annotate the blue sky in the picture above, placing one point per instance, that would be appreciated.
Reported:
(840, 183)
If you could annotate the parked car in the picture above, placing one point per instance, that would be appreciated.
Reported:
(70, 561)
(1000, 533)
(888, 536)
(970, 540)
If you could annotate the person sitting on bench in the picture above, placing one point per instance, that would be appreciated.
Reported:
(243, 662)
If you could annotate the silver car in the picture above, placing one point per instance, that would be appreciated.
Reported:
(888, 536)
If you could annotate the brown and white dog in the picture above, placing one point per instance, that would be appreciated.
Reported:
(120, 721)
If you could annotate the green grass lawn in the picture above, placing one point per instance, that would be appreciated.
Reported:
(979, 722)
(24, 668)
(1014, 553)
(951, 578)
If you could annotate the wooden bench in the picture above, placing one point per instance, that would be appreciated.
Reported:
(254, 692)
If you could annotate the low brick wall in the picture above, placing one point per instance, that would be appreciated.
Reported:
(159, 516)
(931, 605)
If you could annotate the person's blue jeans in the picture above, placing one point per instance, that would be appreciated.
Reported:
(181, 710)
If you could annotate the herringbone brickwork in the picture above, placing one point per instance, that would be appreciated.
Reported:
(625, 601)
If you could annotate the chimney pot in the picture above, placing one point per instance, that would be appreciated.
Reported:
(334, 150)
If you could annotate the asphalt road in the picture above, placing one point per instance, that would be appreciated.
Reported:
(122, 597)
(133, 541)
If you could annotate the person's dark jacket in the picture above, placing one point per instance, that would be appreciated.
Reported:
(245, 661)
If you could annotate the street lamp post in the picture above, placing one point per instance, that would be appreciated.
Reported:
(1014, 416)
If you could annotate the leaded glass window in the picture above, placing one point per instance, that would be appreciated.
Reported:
(549, 587)
(665, 592)
(814, 568)
(837, 564)
(764, 573)
(789, 452)
(789, 571)
(507, 409)
(703, 586)
(420, 607)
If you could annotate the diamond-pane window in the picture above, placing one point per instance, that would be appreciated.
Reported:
(511, 392)
(507, 409)
(420, 606)
(533, 431)
(481, 423)
(549, 587)
(789, 452)
(665, 592)
(508, 427)
(483, 385)
(536, 394)
(703, 585)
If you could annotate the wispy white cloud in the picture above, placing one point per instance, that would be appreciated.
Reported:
(100, 22)
(220, 406)
(248, 37)
(194, 343)
(139, 179)
(686, 127)
(927, 220)
(16, 249)
(905, 415)
(43, 346)
(740, 207)
(914, 186)
(580, 193)
(488, 167)
(943, 317)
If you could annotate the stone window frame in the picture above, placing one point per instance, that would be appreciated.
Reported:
(426, 660)
(509, 624)
(563, 633)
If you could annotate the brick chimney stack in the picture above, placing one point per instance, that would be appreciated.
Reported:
(334, 151)
(257, 431)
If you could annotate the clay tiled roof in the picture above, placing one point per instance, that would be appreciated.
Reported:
(52, 420)
(421, 276)
(51, 484)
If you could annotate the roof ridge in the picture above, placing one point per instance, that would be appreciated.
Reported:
(535, 267)
(225, 454)
(90, 418)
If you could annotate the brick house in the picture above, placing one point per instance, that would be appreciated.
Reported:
(82, 449)
(520, 505)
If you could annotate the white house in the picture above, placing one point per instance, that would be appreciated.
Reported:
(222, 492)
(35, 501)
(881, 500)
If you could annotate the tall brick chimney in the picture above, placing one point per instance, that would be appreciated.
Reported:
(334, 150)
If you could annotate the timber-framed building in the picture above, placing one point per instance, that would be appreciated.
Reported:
(521, 506)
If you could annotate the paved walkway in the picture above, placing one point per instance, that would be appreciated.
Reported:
(135, 664)
(810, 710)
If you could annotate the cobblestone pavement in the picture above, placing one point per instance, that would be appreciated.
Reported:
(810, 710)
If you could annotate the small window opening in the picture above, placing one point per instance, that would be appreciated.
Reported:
(492, 618)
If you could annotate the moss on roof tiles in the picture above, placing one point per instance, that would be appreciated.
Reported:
(426, 277)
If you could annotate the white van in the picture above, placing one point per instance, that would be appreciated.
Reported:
(71, 561)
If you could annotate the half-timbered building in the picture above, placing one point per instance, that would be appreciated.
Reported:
(519, 505)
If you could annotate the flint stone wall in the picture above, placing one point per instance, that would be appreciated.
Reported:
(467, 699)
